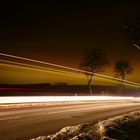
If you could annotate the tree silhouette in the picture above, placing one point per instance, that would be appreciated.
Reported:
(121, 69)
(133, 31)
(94, 61)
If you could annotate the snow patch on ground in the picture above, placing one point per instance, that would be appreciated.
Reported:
(124, 127)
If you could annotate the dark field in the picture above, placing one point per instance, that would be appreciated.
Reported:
(65, 90)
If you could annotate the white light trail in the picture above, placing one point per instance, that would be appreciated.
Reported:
(30, 99)
(67, 68)
(40, 68)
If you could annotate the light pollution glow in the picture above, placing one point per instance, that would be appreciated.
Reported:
(25, 73)
(54, 71)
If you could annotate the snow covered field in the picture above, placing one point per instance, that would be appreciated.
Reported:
(124, 127)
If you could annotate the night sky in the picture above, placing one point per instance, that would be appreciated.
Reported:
(59, 31)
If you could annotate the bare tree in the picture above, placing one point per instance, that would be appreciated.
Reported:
(121, 69)
(133, 31)
(94, 61)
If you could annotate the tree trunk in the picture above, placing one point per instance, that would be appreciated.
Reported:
(89, 84)
(121, 86)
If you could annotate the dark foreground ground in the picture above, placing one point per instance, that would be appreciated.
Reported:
(124, 127)
(24, 124)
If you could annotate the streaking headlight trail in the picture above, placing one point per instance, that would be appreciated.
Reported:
(25, 99)
(66, 68)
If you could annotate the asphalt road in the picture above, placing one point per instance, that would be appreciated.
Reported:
(25, 124)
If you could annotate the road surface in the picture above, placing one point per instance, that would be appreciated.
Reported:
(25, 124)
